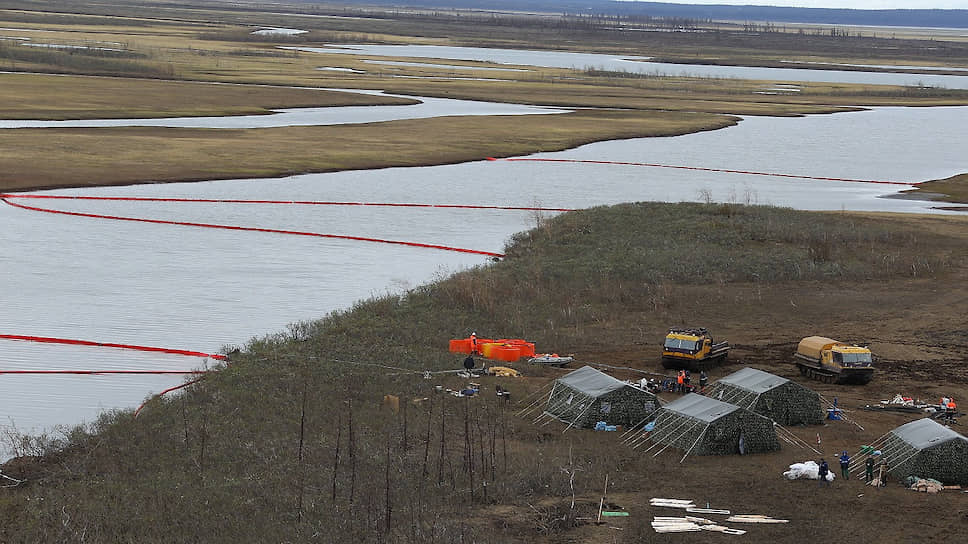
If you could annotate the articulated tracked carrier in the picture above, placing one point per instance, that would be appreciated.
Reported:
(692, 349)
(830, 361)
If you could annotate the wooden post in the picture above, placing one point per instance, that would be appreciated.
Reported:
(339, 432)
(602, 503)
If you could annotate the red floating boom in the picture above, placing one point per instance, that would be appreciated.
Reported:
(293, 202)
(169, 390)
(252, 229)
(704, 169)
(91, 372)
(49, 340)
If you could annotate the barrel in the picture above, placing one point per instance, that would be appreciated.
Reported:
(507, 352)
(526, 348)
(488, 349)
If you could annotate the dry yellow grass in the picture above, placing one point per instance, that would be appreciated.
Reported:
(184, 51)
(220, 52)
(38, 96)
(954, 189)
(35, 158)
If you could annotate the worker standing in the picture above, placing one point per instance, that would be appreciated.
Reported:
(824, 469)
(950, 410)
(845, 465)
(680, 381)
(474, 343)
(882, 472)
(702, 380)
(869, 468)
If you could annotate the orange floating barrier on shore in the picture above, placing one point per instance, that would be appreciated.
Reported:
(461, 345)
(505, 349)
(526, 349)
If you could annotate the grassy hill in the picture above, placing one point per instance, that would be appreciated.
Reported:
(289, 442)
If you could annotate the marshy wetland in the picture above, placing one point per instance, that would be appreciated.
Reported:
(602, 283)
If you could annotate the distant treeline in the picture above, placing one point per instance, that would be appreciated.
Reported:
(945, 18)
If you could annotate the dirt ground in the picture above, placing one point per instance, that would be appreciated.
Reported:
(847, 511)
(918, 332)
(917, 328)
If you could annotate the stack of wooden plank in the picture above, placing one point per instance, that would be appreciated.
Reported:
(755, 518)
(687, 524)
(927, 485)
(674, 525)
(690, 524)
(693, 510)
(672, 503)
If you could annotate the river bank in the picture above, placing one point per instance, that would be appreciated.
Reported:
(304, 405)
(53, 158)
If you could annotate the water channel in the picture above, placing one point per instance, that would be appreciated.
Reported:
(641, 64)
(294, 117)
(205, 289)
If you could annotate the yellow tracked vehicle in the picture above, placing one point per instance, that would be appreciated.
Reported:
(692, 349)
(830, 361)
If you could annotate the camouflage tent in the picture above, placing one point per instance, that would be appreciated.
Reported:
(783, 401)
(705, 426)
(586, 396)
(927, 449)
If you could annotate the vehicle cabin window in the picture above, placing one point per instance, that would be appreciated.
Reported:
(857, 357)
(676, 343)
(848, 358)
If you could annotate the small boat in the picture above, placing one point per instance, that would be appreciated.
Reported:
(552, 359)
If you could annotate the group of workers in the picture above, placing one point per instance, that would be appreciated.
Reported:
(683, 383)
(684, 380)
(869, 466)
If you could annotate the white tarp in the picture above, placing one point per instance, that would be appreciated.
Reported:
(809, 470)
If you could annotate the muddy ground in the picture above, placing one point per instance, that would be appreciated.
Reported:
(847, 511)
(917, 329)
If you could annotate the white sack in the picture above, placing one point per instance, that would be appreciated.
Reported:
(809, 470)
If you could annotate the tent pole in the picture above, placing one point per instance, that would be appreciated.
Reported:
(702, 434)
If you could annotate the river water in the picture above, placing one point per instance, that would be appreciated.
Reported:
(642, 64)
(294, 117)
(205, 289)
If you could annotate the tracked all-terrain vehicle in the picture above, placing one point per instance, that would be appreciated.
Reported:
(692, 349)
(830, 361)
